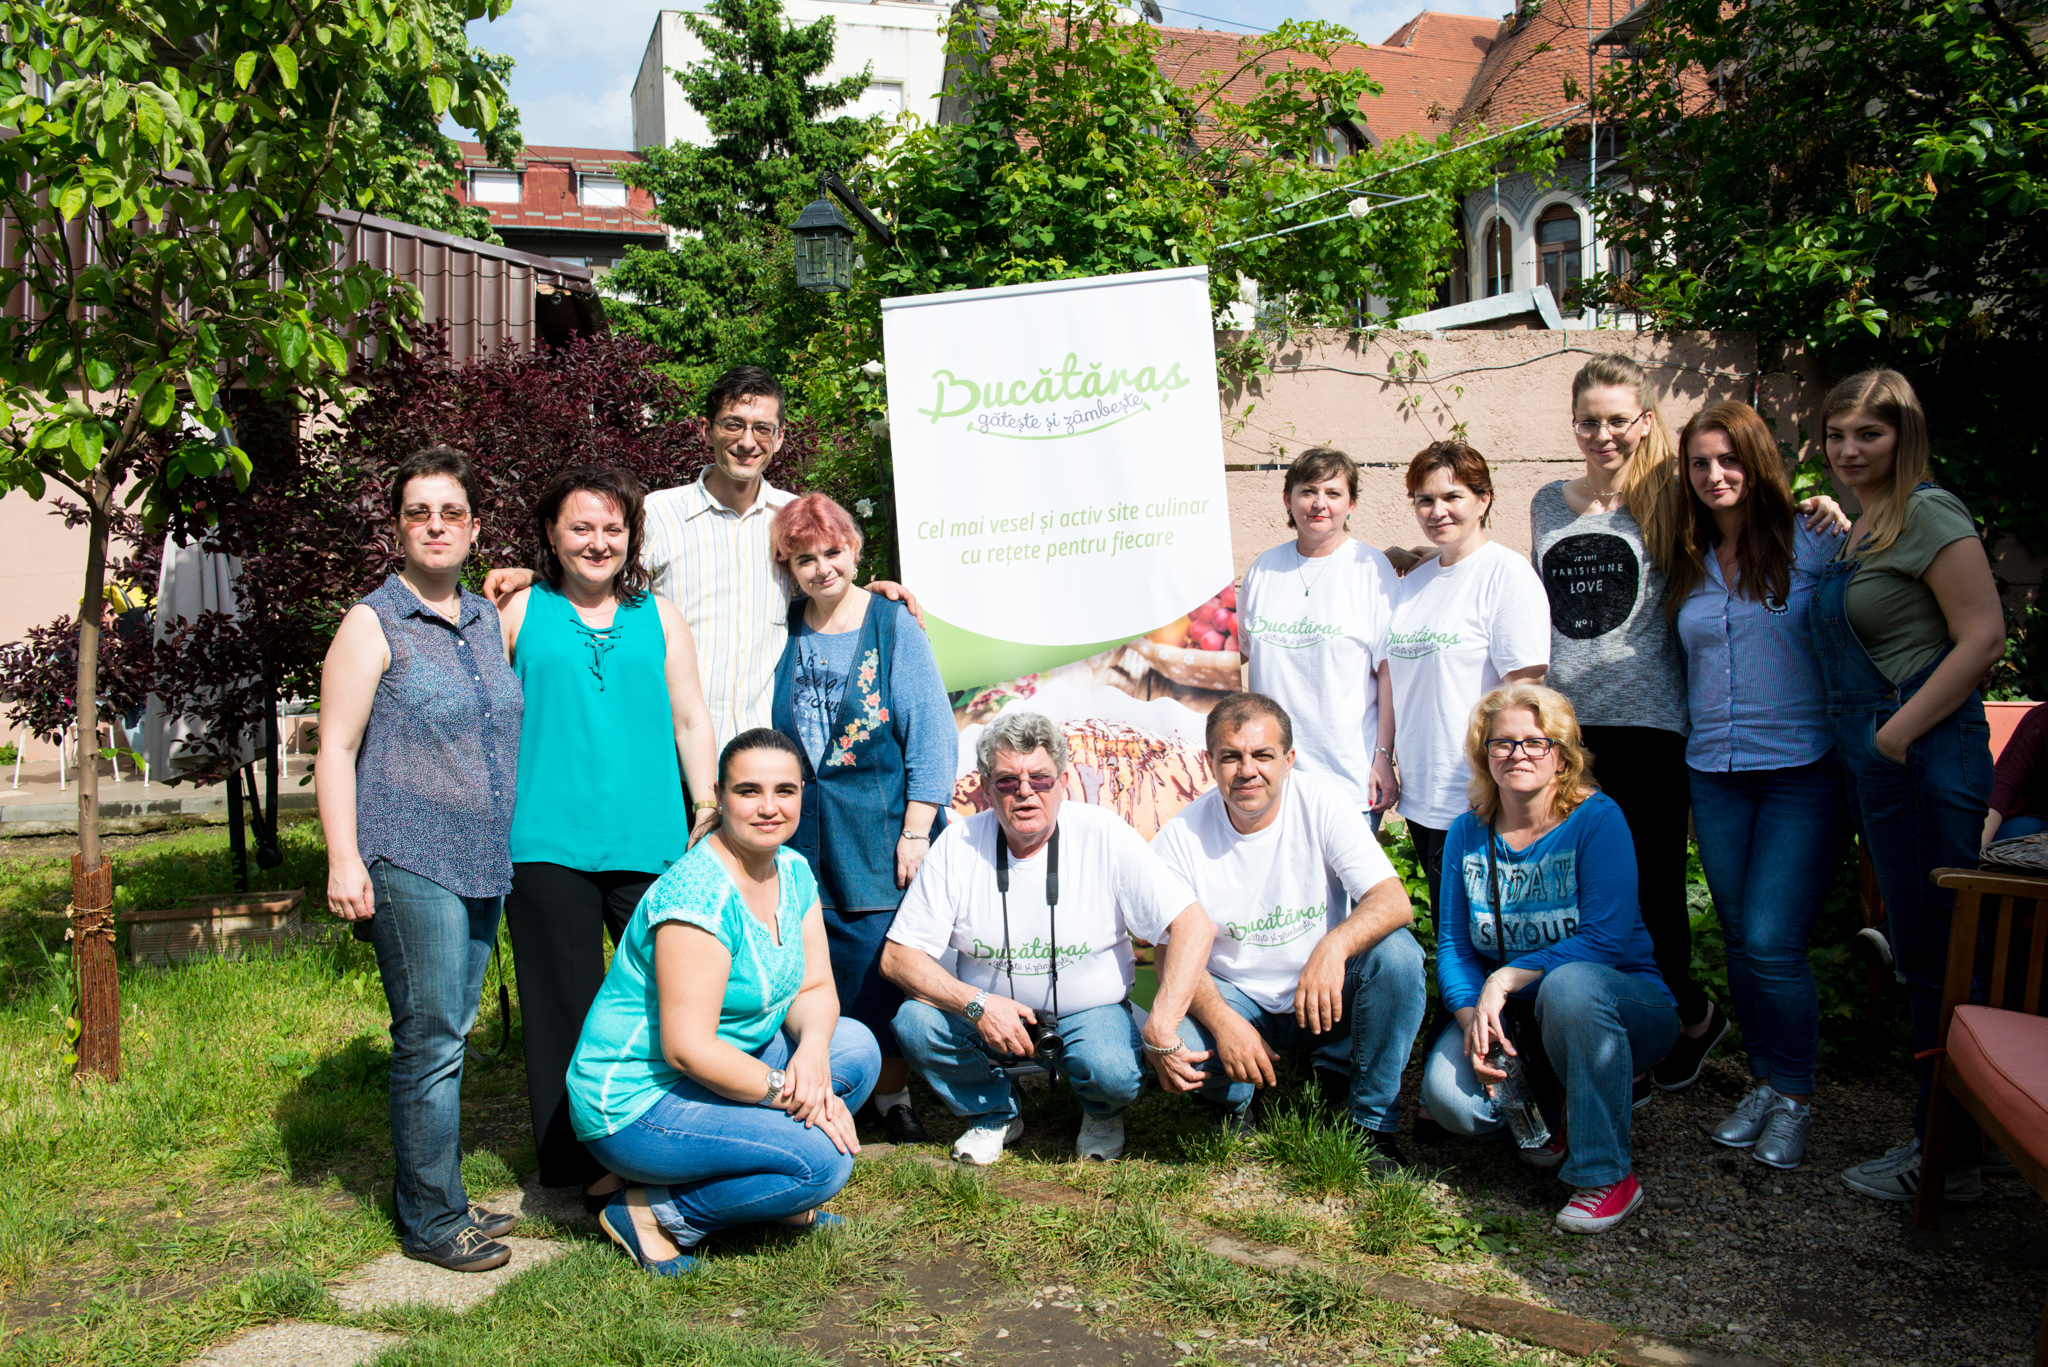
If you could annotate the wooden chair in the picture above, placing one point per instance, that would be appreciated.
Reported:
(1990, 1060)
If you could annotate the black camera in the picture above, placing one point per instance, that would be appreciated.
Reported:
(1046, 1045)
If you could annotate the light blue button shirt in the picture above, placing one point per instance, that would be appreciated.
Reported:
(1752, 681)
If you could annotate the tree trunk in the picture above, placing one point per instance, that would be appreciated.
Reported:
(92, 874)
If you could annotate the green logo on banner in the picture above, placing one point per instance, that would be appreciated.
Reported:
(1064, 402)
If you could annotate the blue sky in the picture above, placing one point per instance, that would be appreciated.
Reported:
(576, 60)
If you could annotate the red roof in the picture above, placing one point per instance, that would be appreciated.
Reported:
(548, 190)
(1536, 66)
(1454, 37)
(1425, 84)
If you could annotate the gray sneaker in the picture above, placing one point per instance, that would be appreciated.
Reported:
(1896, 1177)
(1783, 1141)
(1746, 1121)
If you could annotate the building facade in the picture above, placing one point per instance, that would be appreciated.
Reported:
(901, 44)
(569, 203)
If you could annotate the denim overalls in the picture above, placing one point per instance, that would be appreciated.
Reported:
(1925, 814)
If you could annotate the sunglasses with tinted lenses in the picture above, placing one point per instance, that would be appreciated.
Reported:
(1009, 785)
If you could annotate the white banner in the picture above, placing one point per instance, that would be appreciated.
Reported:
(1058, 465)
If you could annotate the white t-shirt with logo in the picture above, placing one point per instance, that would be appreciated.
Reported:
(1316, 630)
(1274, 893)
(1456, 632)
(1111, 887)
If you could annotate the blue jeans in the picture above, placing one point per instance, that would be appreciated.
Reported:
(1601, 1027)
(1384, 1003)
(1770, 842)
(710, 1162)
(1101, 1060)
(432, 949)
(2014, 827)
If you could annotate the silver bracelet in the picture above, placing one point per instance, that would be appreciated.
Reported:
(906, 835)
(1382, 750)
(1152, 1048)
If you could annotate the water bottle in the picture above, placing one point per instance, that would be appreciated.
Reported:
(1514, 1102)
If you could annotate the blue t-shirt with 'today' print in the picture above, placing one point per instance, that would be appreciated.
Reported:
(1569, 896)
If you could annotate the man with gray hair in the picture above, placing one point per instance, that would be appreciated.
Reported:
(1040, 898)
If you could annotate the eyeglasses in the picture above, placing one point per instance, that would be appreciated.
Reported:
(763, 431)
(1535, 747)
(1593, 427)
(1009, 785)
(419, 516)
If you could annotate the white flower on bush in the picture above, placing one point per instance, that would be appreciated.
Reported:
(865, 507)
(878, 426)
(871, 369)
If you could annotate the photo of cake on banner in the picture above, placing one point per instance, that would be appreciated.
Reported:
(1061, 513)
(1132, 715)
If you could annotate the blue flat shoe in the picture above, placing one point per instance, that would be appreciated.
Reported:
(616, 1219)
(825, 1219)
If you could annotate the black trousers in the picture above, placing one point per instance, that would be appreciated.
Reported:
(1429, 852)
(1643, 770)
(558, 917)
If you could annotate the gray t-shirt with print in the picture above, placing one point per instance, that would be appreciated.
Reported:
(1612, 650)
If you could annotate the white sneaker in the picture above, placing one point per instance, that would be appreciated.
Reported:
(1100, 1141)
(984, 1144)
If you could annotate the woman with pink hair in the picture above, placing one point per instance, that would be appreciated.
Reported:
(858, 689)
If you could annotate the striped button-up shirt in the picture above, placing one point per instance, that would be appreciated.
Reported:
(716, 565)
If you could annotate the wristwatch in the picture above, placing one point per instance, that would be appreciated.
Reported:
(775, 1081)
(977, 1006)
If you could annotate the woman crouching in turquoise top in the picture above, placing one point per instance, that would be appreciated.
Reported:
(615, 724)
(715, 1071)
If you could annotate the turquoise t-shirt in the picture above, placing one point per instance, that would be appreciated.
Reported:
(618, 1070)
(599, 784)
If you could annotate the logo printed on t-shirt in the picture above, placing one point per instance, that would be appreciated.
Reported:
(1033, 958)
(1539, 901)
(1303, 633)
(1413, 645)
(1278, 926)
(1593, 579)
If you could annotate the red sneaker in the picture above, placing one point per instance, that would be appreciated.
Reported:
(1546, 1155)
(1595, 1209)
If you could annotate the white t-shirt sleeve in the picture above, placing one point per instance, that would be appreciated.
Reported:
(1520, 632)
(1349, 848)
(924, 920)
(1148, 892)
(1387, 586)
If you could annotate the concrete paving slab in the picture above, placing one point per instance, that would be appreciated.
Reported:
(395, 1279)
(294, 1344)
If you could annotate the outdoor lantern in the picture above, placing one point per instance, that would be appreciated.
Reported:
(824, 247)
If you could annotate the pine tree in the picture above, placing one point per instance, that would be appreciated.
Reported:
(722, 294)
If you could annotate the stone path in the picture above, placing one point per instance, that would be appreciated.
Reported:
(393, 1280)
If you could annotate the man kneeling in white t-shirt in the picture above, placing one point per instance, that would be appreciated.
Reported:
(1042, 923)
(1288, 968)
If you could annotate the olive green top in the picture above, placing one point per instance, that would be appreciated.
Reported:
(1891, 609)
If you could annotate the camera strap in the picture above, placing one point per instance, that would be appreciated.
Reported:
(1052, 902)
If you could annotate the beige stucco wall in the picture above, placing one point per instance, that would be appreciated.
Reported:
(42, 566)
(1383, 399)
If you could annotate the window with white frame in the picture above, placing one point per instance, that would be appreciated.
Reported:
(1498, 268)
(601, 192)
(1335, 146)
(1558, 250)
(494, 187)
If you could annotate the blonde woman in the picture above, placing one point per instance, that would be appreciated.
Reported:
(1905, 623)
(1540, 949)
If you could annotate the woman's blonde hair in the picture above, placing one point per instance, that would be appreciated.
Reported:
(1889, 397)
(1553, 712)
(1650, 483)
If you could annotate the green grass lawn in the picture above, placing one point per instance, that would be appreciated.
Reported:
(242, 1162)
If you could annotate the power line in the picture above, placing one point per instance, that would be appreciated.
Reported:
(1214, 20)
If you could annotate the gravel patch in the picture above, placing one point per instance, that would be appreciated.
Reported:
(1727, 1253)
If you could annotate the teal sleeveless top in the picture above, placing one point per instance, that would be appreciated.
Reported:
(599, 784)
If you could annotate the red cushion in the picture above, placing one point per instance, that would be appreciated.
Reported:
(2003, 1057)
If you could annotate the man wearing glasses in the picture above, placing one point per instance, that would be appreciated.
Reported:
(1039, 899)
(1312, 951)
(706, 550)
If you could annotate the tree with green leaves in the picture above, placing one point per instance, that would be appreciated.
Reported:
(164, 192)
(722, 293)
(1868, 183)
